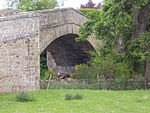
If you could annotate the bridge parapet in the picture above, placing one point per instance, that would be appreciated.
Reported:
(51, 18)
(56, 23)
(28, 24)
(23, 37)
(18, 26)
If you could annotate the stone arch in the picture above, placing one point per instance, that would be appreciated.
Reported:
(49, 35)
(24, 36)
(64, 53)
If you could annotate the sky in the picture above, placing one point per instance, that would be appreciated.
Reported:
(67, 3)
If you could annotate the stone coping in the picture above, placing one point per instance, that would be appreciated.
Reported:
(37, 13)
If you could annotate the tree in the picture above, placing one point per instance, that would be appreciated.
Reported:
(91, 5)
(123, 25)
(91, 13)
(102, 67)
(31, 5)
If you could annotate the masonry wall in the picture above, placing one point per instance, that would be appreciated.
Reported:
(56, 23)
(18, 67)
(19, 53)
(23, 37)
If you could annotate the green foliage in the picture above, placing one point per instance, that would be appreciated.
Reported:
(139, 52)
(112, 23)
(78, 96)
(87, 29)
(31, 5)
(24, 97)
(43, 66)
(90, 12)
(45, 73)
(83, 71)
(49, 74)
(68, 96)
(108, 66)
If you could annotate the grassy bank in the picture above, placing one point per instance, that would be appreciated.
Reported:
(94, 101)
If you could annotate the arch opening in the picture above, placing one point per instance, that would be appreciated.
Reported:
(64, 53)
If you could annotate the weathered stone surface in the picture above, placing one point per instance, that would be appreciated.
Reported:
(23, 37)
(18, 69)
(9, 12)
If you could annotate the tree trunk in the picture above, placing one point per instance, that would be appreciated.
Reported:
(147, 70)
(141, 19)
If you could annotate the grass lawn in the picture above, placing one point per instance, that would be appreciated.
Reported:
(94, 101)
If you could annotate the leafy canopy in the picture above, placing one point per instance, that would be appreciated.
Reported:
(114, 25)
(31, 5)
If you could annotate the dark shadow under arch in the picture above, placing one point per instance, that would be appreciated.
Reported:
(64, 53)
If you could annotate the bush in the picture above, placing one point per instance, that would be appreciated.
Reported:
(71, 96)
(24, 97)
(78, 96)
(49, 74)
(83, 71)
(91, 13)
(68, 97)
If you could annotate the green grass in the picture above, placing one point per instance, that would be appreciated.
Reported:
(94, 101)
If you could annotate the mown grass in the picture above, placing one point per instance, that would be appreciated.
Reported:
(94, 101)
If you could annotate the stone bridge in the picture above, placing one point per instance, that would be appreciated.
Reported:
(25, 35)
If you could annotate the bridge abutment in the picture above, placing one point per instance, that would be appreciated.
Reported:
(22, 39)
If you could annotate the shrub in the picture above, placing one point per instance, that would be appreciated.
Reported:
(24, 97)
(91, 13)
(68, 97)
(78, 96)
(49, 74)
(83, 71)
(71, 96)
